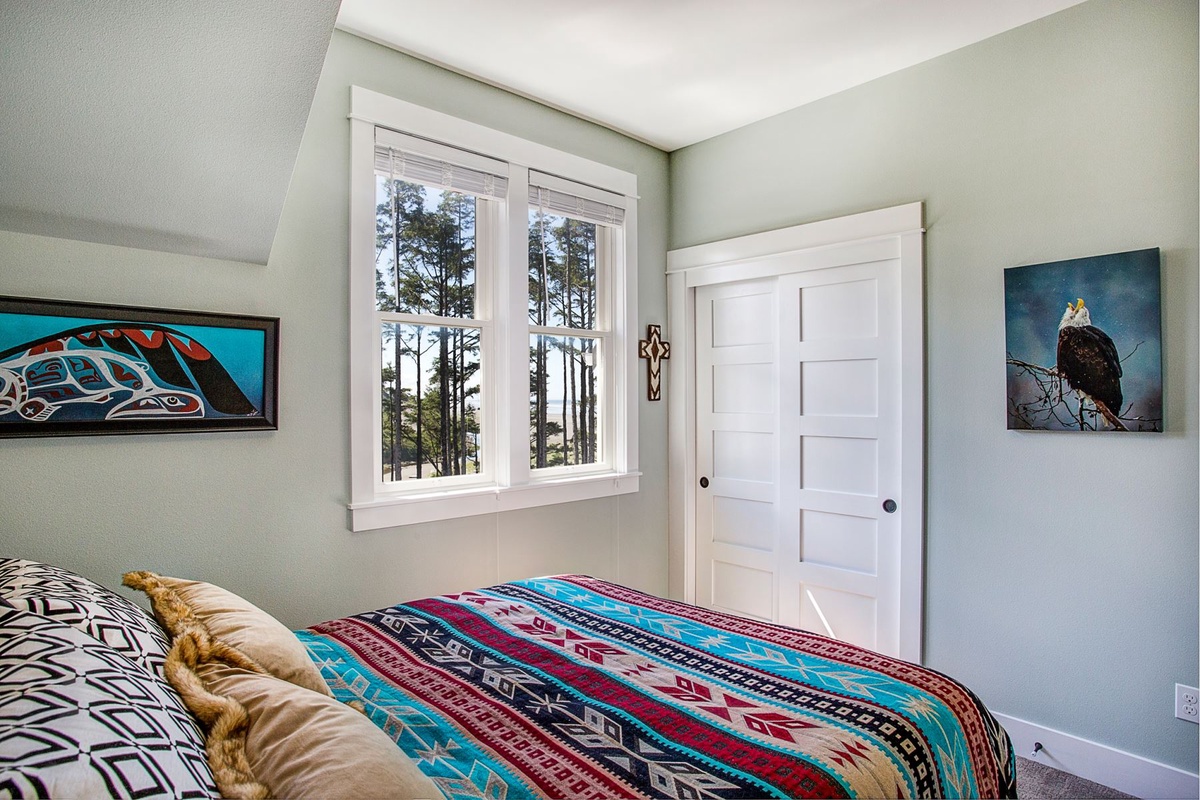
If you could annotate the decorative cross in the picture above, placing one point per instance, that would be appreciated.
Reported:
(654, 350)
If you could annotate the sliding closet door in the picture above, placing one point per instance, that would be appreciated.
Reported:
(737, 452)
(839, 471)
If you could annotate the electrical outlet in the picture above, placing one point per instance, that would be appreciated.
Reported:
(1187, 703)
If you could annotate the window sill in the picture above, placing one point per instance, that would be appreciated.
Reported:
(412, 509)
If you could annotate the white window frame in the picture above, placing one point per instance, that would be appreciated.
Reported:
(502, 306)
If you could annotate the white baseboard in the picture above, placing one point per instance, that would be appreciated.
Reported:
(1123, 771)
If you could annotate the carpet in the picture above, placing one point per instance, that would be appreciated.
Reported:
(1036, 781)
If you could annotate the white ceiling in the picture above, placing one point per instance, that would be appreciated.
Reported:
(156, 124)
(675, 72)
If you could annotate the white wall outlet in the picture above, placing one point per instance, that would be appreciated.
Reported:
(1187, 703)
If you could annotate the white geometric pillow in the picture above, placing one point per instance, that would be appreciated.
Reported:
(99, 612)
(78, 719)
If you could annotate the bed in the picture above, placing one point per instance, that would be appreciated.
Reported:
(565, 686)
(574, 687)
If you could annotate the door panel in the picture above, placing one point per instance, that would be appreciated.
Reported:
(837, 310)
(842, 541)
(744, 523)
(742, 319)
(839, 464)
(848, 388)
(738, 454)
(743, 590)
(743, 388)
(839, 614)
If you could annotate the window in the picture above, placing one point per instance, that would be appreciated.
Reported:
(492, 285)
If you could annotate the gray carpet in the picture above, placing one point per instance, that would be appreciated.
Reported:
(1036, 781)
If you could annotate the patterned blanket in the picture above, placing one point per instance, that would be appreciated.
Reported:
(576, 688)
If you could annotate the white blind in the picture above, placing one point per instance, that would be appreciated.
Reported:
(557, 196)
(419, 168)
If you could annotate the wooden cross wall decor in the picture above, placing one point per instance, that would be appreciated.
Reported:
(654, 350)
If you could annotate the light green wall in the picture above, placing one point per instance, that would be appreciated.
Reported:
(265, 513)
(1061, 570)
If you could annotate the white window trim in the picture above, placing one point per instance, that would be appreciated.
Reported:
(513, 485)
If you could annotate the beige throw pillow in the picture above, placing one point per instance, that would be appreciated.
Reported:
(234, 621)
(302, 744)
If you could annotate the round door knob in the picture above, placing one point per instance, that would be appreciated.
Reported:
(704, 483)
(889, 506)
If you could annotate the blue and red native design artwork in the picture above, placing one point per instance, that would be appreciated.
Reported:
(116, 371)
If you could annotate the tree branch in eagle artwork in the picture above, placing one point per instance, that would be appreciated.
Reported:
(1084, 344)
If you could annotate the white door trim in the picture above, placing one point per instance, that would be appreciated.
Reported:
(885, 233)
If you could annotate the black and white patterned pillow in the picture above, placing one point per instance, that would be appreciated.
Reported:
(97, 611)
(78, 719)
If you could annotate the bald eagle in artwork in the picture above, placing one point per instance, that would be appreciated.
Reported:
(1088, 359)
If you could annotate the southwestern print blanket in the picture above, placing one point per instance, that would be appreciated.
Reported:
(572, 687)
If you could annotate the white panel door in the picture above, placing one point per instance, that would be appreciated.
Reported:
(736, 448)
(839, 373)
(798, 426)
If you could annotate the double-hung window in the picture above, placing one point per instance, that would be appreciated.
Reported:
(493, 300)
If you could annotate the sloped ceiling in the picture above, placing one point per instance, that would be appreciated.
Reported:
(156, 124)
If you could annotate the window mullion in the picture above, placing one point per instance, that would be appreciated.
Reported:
(488, 236)
(512, 334)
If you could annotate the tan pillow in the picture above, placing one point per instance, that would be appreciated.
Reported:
(234, 621)
(302, 744)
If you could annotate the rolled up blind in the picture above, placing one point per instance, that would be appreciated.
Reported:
(441, 166)
(558, 196)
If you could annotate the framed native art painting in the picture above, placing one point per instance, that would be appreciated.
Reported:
(1084, 342)
(81, 368)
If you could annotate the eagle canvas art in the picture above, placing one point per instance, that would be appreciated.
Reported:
(1084, 344)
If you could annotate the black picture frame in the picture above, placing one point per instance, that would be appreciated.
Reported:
(80, 369)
